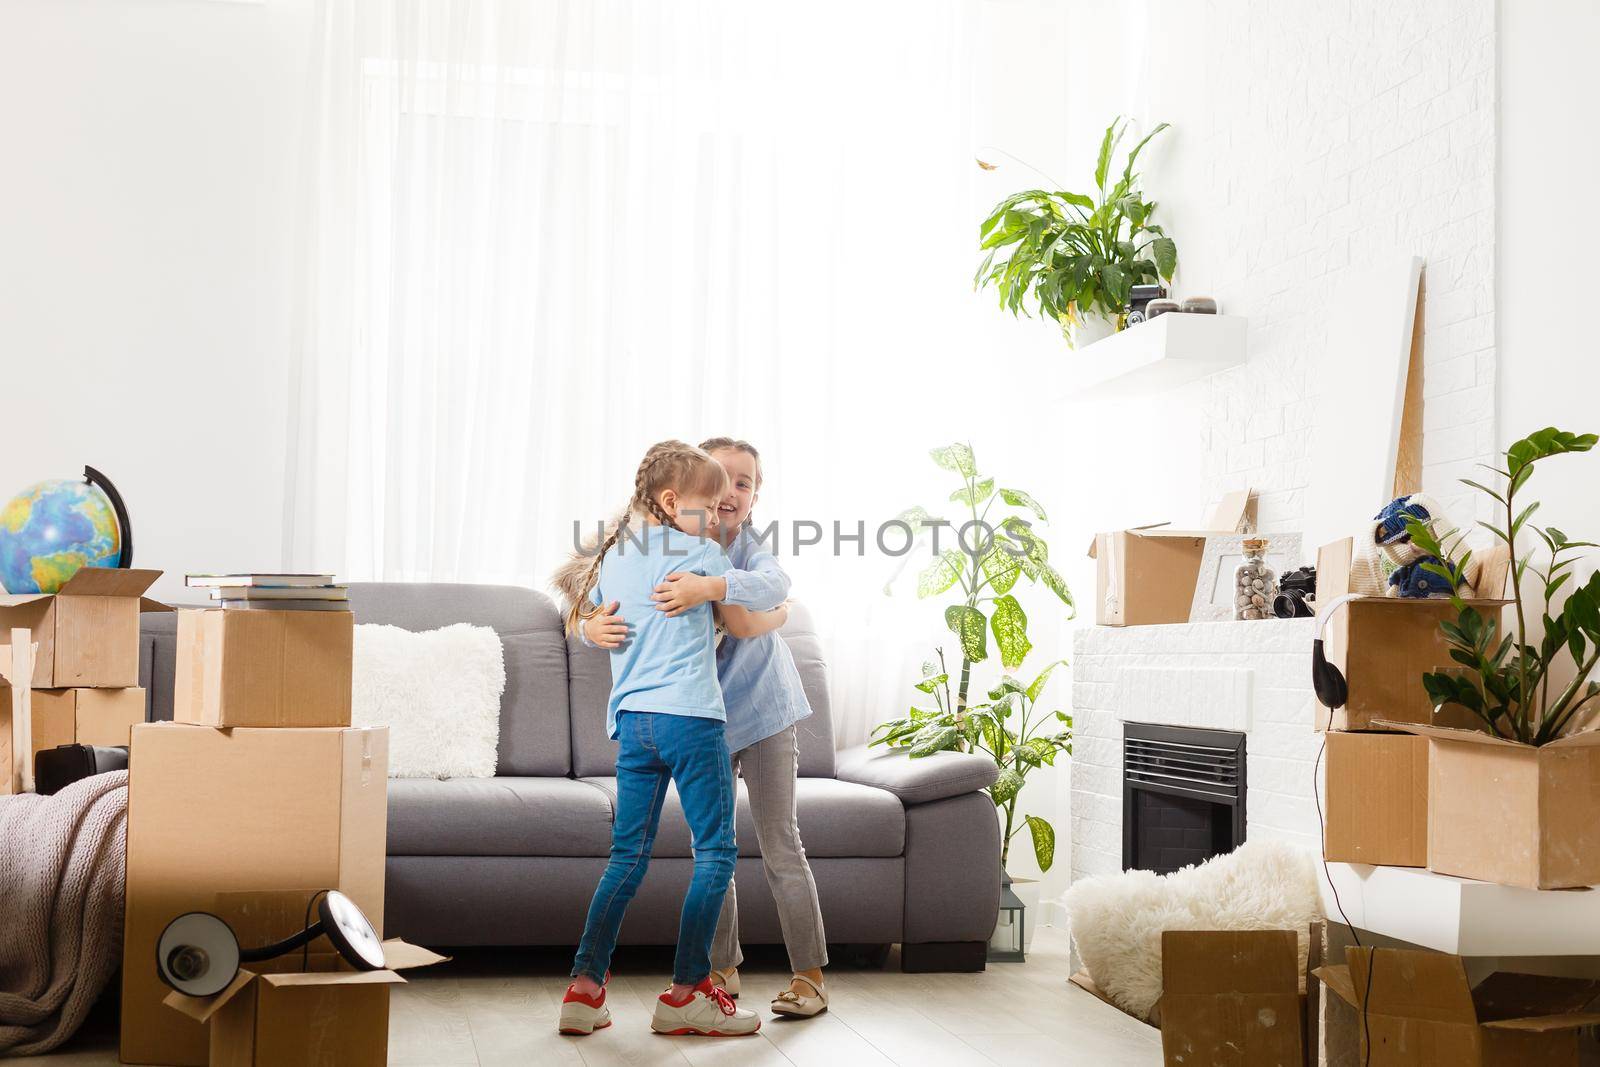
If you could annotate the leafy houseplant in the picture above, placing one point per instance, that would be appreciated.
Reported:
(987, 568)
(1077, 255)
(1017, 748)
(1507, 681)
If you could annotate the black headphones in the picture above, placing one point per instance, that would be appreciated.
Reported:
(1326, 679)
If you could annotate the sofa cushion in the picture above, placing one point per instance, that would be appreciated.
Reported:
(589, 687)
(837, 820)
(498, 817)
(535, 736)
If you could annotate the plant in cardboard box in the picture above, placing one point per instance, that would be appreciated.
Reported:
(1504, 799)
(1508, 680)
(1078, 256)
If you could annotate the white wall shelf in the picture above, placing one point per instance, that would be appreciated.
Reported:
(1153, 356)
(1462, 916)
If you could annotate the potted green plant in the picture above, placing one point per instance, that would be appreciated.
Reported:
(1506, 801)
(1508, 681)
(1077, 256)
(995, 552)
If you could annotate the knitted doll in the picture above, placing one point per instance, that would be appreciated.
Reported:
(1390, 549)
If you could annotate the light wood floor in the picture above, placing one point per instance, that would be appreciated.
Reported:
(500, 1008)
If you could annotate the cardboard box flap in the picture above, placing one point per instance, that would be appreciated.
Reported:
(1581, 739)
(1446, 733)
(1230, 511)
(12, 600)
(326, 978)
(109, 581)
(1413, 985)
(402, 955)
(1229, 961)
(146, 604)
(1337, 978)
(201, 1009)
(1093, 549)
(1507, 997)
(1544, 1024)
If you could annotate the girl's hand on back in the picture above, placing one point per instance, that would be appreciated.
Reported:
(679, 592)
(605, 628)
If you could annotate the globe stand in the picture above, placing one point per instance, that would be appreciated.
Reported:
(125, 528)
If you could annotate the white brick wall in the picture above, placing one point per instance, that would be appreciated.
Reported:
(1313, 138)
(1248, 676)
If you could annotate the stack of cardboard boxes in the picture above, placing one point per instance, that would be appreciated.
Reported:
(256, 797)
(85, 673)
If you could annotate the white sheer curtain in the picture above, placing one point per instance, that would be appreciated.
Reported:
(542, 235)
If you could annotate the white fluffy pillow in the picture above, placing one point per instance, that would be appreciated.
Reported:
(438, 692)
(1116, 921)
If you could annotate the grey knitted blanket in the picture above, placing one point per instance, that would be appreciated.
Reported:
(62, 860)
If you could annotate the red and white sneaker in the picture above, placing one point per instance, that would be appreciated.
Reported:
(709, 1012)
(582, 1014)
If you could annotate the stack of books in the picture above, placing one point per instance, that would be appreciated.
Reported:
(273, 592)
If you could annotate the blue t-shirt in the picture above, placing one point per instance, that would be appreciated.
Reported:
(667, 665)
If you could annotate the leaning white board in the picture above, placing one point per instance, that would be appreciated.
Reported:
(1360, 396)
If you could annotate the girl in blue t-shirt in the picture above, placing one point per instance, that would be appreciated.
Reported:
(666, 714)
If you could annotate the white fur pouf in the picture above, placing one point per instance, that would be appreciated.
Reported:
(438, 692)
(1116, 922)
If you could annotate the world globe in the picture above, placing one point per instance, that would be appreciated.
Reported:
(50, 530)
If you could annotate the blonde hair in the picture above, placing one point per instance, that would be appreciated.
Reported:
(685, 470)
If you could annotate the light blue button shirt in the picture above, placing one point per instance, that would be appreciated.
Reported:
(761, 687)
(667, 664)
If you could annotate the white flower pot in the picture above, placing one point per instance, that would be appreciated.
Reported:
(1087, 330)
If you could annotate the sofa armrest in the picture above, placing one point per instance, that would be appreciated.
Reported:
(916, 781)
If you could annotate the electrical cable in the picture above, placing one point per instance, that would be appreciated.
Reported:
(1372, 959)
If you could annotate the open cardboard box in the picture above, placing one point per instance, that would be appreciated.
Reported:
(1375, 799)
(85, 716)
(1146, 575)
(1421, 1011)
(1384, 645)
(1501, 811)
(263, 668)
(323, 1015)
(88, 632)
(1232, 997)
(241, 823)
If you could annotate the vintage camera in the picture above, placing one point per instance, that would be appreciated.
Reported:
(1296, 591)
(1138, 297)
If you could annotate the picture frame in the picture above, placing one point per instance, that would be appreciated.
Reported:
(1213, 588)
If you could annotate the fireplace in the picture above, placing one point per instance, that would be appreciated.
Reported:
(1183, 795)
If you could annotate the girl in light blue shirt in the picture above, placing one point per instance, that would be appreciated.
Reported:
(666, 714)
(764, 698)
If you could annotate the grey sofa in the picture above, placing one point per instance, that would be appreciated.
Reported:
(903, 851)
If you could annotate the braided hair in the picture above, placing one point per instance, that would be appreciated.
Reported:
(667, 465)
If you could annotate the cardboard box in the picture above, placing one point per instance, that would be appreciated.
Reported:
(324, 1015)
(1146, 575)
(1231, 997)
(85, 716)
(16, 711)
(1375, 799)
(216, 819)
(1384, 645)
(1510, 813)
(263, 668)
(1422, 1012)
(88, 633)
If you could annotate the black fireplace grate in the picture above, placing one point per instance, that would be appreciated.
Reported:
(1183, 791)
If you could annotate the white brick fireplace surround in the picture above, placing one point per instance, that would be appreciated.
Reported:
(1250, 677)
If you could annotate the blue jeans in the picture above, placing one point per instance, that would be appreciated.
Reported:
(654, 750)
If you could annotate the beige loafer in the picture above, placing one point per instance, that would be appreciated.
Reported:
(727, 980)
(801, 1005)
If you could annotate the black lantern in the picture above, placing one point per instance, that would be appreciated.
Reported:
(1010, 936)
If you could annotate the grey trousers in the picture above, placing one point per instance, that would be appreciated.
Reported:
(769, 769)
